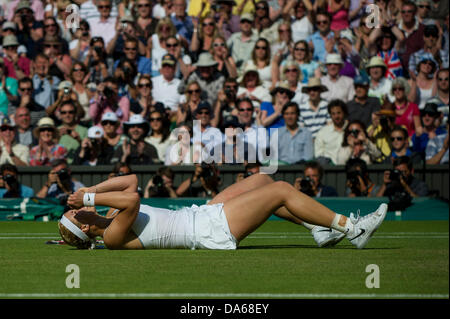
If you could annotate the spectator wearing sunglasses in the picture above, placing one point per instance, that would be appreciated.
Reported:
(442, 95)
(407, 113)
(47, 149)
(131, 52)
(105, 24)
(10, 151)
(429, 117)
(110, 124)
(400, 146)
(159, 133)
(17, 66)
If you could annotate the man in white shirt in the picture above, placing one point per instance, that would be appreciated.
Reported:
(88, 9)
(301, 26)
(339, 86)
(329, 138)
(104, 25)
(165, 86)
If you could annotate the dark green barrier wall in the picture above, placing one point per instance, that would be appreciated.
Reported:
(436, 176)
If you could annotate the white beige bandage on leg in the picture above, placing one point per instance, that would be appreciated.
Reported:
(342, 224)
(89, 199)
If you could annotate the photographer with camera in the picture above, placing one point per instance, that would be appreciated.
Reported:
(250, 169)
(203, 183)
(98, 63)
(65, 95)
(9, 184)
(311, 183)
(94, 149)
(161, 184)
(400, 146)
(226, 103)
(60, 183)
(379, 132)
(356, 144)
(400, 181)
(107, 99)
(10, 151)
(358, 182)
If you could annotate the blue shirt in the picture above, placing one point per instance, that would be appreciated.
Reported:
(44, 91)
(144, 65)
(25, 192)
(319, 45)
(185, 27)
(295, 148)
(268, 107)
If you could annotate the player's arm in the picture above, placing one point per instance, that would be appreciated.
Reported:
(126, 183)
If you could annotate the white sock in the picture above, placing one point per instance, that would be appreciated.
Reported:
(348, 228)
(308, 226)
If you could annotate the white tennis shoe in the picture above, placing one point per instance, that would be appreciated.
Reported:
(366, 226)
(326, 237)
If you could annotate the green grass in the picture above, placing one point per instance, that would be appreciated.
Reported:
(279, 260)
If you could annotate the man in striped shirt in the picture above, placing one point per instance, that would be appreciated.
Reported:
(314, 111)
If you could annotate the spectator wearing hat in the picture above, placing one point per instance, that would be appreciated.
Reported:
(26, 100)
(413, 31)
(408, 114)
(272, 112)
(431, 51)
(206, 75)
(241, 43)
(44, 84)
(10, 187)
(429, 118)
(388, 41)
(234, 149)
(314, 111)
(107, 99)
(295, 143)
(94, 149)
(252, 87)
(8, 28)
(184, 65)
(166, 86)
(70, 131)
(17, 66)
(10, 151)
(423, 87)
(136, 151)
(329, 138)
(35, 5)
(362, 105)
(292, 75)
(350, 57)
(8, 89)
(380, 86)
(110, 124)
(203, 132)
(339, 86)
(55, 29)
(442, 95)
(437, 149)
(105, 24)
(24, 15)
(379, 131)
(47, 149)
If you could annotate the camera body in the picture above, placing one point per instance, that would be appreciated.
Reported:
(108, 92)
(63, 175)
(66, 91)
(353, 179)
(10, 179)
(158, 189)
(394, 175)
(354, 133)
(306, 187)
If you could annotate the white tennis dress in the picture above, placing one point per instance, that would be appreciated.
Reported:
(203, 227)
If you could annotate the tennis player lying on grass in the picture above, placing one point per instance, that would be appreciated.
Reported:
(221, 224)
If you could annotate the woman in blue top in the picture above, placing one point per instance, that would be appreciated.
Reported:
(271, 116)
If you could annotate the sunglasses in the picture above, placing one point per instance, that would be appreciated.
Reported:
(300, 49)
(246, 110)
(321, 22)
(283, 30)
(315, 89)
(443, 79)
(156, 119)
(231, 87)
(208, 24)
(146, 5)
(398, 89)
(130, 49)
(77, 70)
(257, 47)
(421, 6)
(219, 44)
(203, 113)
(290, 70)
(171, 45)
(194, 91)
(67, 112)
(55, 46)
(106, 122)
(407, 11)
(6, 128)
(26, 89)
(144, 85)
(246, 21)
(46, 129)
(49, 25)
(396, 138)
(104, 7)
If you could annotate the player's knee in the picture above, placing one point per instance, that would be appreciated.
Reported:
(282, 186)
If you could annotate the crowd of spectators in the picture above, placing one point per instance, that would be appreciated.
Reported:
(337, 82)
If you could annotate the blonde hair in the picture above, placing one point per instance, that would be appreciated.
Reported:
(166, 21)
(72, 240)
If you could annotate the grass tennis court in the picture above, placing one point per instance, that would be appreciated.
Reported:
(280, 260)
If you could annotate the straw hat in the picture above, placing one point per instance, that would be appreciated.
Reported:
(375, 61)
(314, 82)
(283, 87)
(205, 60)
(45, 122)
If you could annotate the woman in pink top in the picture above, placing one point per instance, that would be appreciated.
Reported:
(408, 114)
(339, 11)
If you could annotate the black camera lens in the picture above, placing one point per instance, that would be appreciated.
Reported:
(9, 179)
(63, 174)
(394, 175)
(158, 181)
(354, 133)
